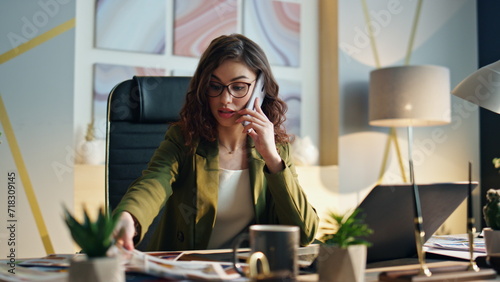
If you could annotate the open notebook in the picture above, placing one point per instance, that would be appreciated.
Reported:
(389, 211)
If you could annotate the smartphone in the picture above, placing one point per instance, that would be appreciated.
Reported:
(258, 91)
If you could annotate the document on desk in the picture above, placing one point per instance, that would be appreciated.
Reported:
(455, 246)
(170, 268)
(50, 268)
(157, 264)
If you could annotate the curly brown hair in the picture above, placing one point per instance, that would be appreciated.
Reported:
(196, 119)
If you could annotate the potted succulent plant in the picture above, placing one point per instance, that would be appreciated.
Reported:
(491, 214)
(496, 163)
(342, 255)
(95, 239)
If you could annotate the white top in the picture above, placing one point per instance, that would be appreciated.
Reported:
(235, 210)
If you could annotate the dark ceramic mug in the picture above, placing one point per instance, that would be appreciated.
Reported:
(278, 244)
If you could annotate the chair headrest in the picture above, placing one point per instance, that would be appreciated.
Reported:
(161, 98)
(148, 99)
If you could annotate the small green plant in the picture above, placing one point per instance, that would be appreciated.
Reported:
(95, 238)
(491, 210)
(345, 230)
(496, 163)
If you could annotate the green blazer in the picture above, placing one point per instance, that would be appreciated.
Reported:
(187, 183)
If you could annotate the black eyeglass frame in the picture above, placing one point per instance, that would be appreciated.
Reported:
(229, 90)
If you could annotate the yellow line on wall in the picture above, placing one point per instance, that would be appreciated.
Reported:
(373, 44)
(393, 134)
(37, 41)
(25, 179)
(413, 32)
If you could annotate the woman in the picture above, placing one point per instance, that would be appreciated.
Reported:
(216, 176)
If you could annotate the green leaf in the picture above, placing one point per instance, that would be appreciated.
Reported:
(95, 238)
(348, 229)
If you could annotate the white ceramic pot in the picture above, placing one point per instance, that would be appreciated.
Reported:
(96, 269)
(93, 152)
(491, 240)
(338, 264)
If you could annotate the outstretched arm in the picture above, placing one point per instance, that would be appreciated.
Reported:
(125, 231)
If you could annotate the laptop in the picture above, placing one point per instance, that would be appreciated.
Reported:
(389, 212)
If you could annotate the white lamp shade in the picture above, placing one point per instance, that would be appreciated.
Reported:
(410, 96)
(482, 87)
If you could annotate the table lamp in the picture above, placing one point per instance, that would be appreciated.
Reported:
(408, 96)
(482, 87)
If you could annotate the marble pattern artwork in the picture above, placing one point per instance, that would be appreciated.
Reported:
(106, 76)
(197, 22)
(130, 25)
(275, 26)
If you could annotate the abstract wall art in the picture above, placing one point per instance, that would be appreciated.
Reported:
(197, 22)
(130, 25)
(275, 26)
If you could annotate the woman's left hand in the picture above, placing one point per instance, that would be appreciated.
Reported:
(261, 130)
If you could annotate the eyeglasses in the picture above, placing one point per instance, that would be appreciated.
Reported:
(236, 89)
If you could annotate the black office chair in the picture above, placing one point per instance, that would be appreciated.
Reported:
(139, 113)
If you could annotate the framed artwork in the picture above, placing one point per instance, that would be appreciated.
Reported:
(197, 22)
(130, 25)
(275, 26)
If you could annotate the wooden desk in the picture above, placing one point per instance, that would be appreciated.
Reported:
(372, 274)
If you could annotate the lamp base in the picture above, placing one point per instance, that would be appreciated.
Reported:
(449, 271)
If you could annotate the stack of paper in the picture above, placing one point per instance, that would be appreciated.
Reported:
(455, 246)
(168, 268)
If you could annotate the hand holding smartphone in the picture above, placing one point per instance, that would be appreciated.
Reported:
(258, 91)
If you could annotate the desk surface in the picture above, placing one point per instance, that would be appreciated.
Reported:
(372, 273)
